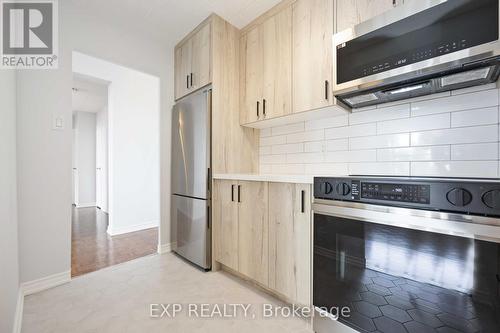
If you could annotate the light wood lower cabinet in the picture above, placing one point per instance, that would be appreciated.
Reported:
(290, 241)
(263, 231)
(253, 231)
(225, 230)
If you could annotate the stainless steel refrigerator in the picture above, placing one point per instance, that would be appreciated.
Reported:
(191, 162)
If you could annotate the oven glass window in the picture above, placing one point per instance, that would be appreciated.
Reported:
(401, 280)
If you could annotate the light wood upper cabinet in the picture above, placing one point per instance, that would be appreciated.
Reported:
(312, 54)
(192, 62)
(200, 59)
(290, 241)
(266, 69)
(225, 226)
(277, 77)
(352, 12)
(253, 231)
(251, 75)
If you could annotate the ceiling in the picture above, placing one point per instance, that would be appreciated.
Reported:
(89, 95)
(170, 20)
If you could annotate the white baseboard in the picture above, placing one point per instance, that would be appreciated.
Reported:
(124, 230)
(86, 205)
(18, 319)
(166, 248)
(51, 281)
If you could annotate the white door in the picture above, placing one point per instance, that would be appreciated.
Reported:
(102, 160)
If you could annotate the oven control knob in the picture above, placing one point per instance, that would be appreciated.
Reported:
(459, 197)
(326, 188)
(492, 199)
(343, 189)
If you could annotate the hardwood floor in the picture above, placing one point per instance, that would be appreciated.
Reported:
(92, 248)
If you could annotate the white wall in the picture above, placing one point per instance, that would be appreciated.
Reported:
(452, 134)
(85, 151)
(102, 159)
(133, 148)
(45, 167)
(44, 156)
(9, 265)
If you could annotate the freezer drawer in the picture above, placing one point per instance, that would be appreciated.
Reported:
(191, 220)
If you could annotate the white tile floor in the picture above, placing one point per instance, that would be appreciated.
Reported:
(117, 299)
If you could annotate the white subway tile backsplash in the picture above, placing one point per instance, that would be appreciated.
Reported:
(475, 100)
(451, 134)
(475, 117)
(265, 132)
(338, 144)
(327, 169)
(287, 129)
(431, 153)
(265, 168)
(288, 148)
(289, 169)
(485, 169)
(474, 89)
(305, 158)
(351, 131)
(272, 159)
(380, 114)
(380, 168)
(413, 124)
(265, 150)
(478, 151)
(380, 141)
(327, 123)
(316, 135)
(314, 147)
(351, 156)
(273, 140)
(456, 136)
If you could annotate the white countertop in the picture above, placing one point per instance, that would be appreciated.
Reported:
(296, 179)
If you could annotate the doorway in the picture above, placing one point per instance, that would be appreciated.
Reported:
(115, 164)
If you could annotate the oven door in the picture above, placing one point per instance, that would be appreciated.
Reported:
(395, 279)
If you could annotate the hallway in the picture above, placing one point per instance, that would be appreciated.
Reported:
(93, 249)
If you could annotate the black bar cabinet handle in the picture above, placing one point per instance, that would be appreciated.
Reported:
(232, 192)
(326, 89)
(187, 81)
(258, 115)
(302, 201)
(239, 193)
(264, 107)
(191, 78)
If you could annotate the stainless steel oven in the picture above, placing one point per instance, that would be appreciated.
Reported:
(418, 48)
(397, 255)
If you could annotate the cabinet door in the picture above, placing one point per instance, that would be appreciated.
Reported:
(200, 65)
(185, 71)
(180, 80)
(290, 241)
(277, 76)
(251, 70)
(312, 54)
(352, 12)
(253, 231)
(225, 226)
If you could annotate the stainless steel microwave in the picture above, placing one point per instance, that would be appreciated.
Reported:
(418, 48)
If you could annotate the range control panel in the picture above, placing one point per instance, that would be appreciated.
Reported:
(396, 192)
(462, 196)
